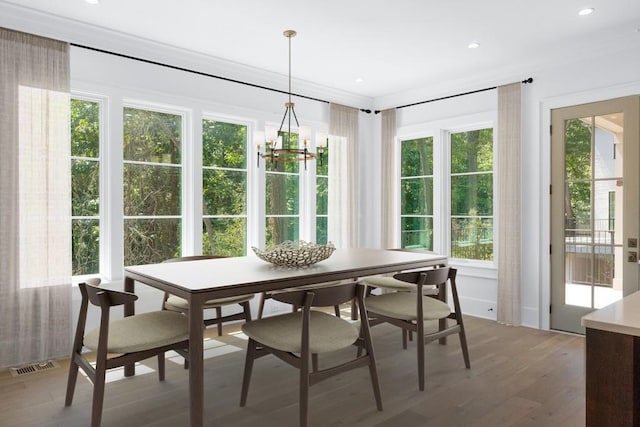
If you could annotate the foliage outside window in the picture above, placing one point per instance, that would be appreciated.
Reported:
(472, 194)
(578, 177)
(282, 196)
(152, 186)
(591, 184)
(224, 188)
(85, 186)
(416, 194)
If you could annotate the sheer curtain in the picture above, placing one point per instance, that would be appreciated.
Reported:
(509, 204)
(35, 196)
(388, 126)
(343, 176)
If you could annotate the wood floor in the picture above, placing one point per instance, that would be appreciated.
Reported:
(518, 377)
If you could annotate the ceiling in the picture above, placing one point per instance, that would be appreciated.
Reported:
(392, 46)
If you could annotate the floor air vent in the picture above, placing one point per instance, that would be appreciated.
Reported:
(33, 368)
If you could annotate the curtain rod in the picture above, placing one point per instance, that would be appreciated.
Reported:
(201, 73)
(525, 81)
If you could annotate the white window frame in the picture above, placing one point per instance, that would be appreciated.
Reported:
(187, 194)
(103, 162)
(440, 131)
(312, 183)
(198, 168)
(446, 232)
(436, 179)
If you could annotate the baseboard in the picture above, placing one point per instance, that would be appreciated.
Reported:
(484, 309)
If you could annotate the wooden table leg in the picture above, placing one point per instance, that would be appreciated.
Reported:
(442, 323)
(129, 310)
(196, 363)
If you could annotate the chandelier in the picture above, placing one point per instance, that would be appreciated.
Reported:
(278, 144)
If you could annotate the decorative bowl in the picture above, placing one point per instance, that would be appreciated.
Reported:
(295, 253)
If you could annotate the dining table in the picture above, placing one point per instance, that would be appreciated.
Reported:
(202, 280)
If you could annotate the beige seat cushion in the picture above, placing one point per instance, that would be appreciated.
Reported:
(396, 285)
(284, 332)
(142, 332)
(182, 304)
(403, 305)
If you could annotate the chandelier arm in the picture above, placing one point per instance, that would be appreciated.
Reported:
(294, 116)
(283, 119)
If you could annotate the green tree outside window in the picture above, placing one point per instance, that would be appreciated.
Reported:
(224, 188)
(152, 168)
(416, 194)
(85, 186)
(472, 194)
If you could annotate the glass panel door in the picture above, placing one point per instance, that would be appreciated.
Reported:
(592, 209)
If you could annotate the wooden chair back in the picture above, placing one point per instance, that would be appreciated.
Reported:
(320, 297)
(99, 296)
(430, 277)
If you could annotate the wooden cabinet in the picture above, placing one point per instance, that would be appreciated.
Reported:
(613, 364)
(613, 379)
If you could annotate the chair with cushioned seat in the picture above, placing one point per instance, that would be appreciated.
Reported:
(297, 337)
(120, 342)
(409, 310)
(389, 284)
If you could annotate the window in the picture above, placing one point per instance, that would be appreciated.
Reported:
(282, 197)
(445, 189)
(224, 188)
(133, 201)
(416, 194)
(472, 194)
(85, 186)
(152, 174)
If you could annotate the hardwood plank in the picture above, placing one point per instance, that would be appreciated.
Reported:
(518, 376)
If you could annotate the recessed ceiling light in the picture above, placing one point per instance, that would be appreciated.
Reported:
(474, 45)
(359, 79)
(587, 11)
(92, 1)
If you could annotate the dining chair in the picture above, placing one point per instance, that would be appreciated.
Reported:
(297, 337)
(120, 342)
(390, 284)
(175, 303)
(409, 310)
(264, 296)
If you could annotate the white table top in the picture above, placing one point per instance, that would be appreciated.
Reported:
(252, 274)
(622, 316)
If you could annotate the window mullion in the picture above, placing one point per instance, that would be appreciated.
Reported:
(111, 217)
(192, 184)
